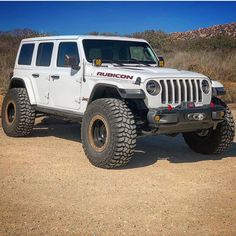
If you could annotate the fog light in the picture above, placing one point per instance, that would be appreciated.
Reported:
(218, 115)
(157, 118)
(222, 114)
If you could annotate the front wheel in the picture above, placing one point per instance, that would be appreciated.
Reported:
(211, 141)
(108, 133)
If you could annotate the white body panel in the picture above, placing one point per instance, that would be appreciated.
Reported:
(146, 74)
(64, 91)
(70, 92)
(43, 81)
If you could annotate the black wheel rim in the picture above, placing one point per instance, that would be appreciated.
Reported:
(11, 113)
(99, 133)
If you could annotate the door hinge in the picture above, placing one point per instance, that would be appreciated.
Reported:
(47, 96)
(78, 80)
(78, 99)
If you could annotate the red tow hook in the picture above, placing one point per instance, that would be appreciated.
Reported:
(170, 107)
(212, 105)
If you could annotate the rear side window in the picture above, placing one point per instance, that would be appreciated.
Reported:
(44, 54)
(26, 54)
(66, 50)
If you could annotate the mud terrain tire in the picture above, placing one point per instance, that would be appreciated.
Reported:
(18, 116)
(214, 141)
(108, 133)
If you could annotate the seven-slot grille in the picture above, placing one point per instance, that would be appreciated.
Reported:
(175, 91)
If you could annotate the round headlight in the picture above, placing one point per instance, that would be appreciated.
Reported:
(205, 86)
(153, 87)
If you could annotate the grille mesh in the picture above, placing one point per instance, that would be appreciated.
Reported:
(175, 91)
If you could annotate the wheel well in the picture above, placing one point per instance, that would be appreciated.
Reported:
(104, 92)
(17, 83)
(136, 105)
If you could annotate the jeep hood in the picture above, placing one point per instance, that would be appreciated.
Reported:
(132, 73)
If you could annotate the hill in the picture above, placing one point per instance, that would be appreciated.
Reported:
(18, 32)
(207, 33)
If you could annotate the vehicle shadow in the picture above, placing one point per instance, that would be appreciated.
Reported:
(50, 126)
(151, 149)
(148, 151)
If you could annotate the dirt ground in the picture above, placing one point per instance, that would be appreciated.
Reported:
(48, 187)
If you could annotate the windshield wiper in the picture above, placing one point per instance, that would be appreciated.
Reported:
(136, 62)
(112, 62)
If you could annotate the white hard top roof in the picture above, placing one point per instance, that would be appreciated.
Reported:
(76, 37)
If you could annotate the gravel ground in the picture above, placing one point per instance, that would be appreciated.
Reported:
(48, 187)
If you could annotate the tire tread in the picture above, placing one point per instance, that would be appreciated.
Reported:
(25, 114)
(219, 139)
(122, 120)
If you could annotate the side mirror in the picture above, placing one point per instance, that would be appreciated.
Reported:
(161, 61)
(71, 61)
(75, 67)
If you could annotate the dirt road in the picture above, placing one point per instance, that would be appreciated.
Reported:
(48, 187)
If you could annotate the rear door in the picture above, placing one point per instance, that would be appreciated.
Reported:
(65, 82)
(42, 70)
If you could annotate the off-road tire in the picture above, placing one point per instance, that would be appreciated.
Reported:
(120, 131)
(216, 141)
(24, 114)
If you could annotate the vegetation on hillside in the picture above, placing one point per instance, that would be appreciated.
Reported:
(8, 49)
(214, 57)
(9, 43)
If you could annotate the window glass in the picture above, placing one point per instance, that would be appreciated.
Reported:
(26, 54)
(44, 54)
(140, 53)
(118, 51)
(67, 51)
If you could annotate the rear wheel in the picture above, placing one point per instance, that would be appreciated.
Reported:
(108, 133)
(211, 141)
(18, 116)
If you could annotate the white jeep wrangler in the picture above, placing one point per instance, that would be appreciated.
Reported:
(117, 87)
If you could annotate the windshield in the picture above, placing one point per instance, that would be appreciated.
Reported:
(115, 51)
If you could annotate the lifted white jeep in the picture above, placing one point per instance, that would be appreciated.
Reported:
(117, 87)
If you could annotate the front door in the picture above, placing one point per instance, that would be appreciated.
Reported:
(65, 82)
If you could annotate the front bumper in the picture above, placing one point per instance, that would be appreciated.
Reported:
(185, 119)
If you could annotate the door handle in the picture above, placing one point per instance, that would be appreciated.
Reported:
(35, 75)
(55, 77)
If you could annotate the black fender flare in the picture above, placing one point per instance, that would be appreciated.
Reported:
(16, 83)
(123, 93)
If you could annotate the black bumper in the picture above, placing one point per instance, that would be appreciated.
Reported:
(182, 119)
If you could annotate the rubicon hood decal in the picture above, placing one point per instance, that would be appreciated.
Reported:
(145, 73)
(112, 75)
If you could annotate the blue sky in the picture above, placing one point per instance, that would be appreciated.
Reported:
(121, 17)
